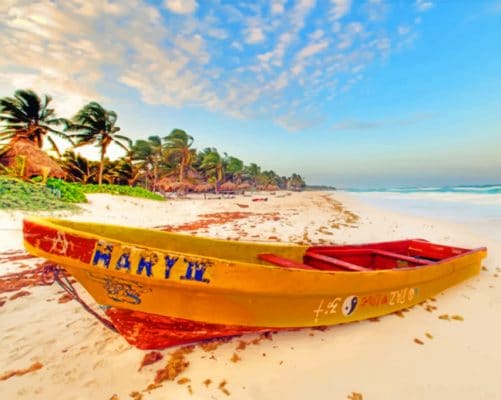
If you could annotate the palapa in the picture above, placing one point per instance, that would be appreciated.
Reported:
(203, 188)
(36, 160)
(176, 186)
(228, 187)
(244, 186)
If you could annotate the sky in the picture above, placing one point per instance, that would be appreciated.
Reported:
(370, 93)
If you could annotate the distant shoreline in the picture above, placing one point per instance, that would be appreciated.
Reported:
(320, 188)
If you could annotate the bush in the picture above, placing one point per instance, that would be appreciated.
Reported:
(66, 191)
(120, 190)
(75, 192)
(16, 194)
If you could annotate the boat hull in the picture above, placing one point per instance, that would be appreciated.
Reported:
(150, 331)
(228, 294)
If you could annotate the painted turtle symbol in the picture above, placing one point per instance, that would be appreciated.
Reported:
(349, 305)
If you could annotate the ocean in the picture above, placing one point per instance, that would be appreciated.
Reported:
(479, 206)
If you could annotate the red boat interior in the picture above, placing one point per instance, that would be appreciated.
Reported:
(377, 256)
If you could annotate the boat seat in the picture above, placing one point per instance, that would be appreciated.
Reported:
(324, 262)
(402, 257)
(282, 261)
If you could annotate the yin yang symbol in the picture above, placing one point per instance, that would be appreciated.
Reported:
(349, 305)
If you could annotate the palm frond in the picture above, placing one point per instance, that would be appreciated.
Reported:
(54, 146)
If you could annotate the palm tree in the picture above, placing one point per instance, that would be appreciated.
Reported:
(213, 165)
(271, 178)
(150, 155)
(79, 168)
(95, 125)
(251, 172)
(127, 171)
(296, 181)
(235, 168)
(178, 146)
(27, 115)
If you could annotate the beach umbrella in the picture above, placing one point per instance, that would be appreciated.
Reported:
(203, 188)
(175, 186)
(165, 182)
(228, 186)
(180, 187)
(271, 187)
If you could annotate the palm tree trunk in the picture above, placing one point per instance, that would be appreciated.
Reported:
(133, 180)
(101, 165)
(155, 176)
(181, 170)
(218, 177)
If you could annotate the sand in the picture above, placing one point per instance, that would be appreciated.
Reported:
(447, 349)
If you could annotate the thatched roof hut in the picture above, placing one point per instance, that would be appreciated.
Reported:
(177, 187)
(228, 187)
(271, 187)
(165, 182)
(190, 175)
(36, 160)
(203, 188)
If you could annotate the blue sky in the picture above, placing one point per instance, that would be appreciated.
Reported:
(349, 93)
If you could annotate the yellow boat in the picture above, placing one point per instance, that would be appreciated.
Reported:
(163, 288)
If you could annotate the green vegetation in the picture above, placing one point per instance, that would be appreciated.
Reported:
(20, 195)
(27, 115)
(119, 190)
(65, 191)
(75, 192)
(95, 125)
(156, 164)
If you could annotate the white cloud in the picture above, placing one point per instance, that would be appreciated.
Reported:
(195, 46)
(295, 123)
(376, 9)
(217, 33)
(296, 19)
(318, 34)
(237, 45)
(66, 48)
(297, 69)
(300, 12)
(403, 29)
(254, 34)
(312, 49)
(275, 56)
(339, 8)
(81, 50)
(69, 96)
(423, 5)
(349, 35)
(265, 57)
(382, 43)
(281, 82)
(181, 6)
(277, 6)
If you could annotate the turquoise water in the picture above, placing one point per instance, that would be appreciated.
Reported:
(471, 189)
(477, 206)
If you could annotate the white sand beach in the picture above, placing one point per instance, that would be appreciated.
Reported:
(412, 355)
